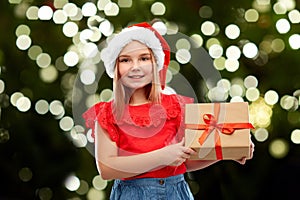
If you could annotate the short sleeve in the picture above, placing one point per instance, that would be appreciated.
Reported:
(101, 113)
(175, 106)
(182, 100)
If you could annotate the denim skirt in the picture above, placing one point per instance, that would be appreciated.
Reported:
(173, 188)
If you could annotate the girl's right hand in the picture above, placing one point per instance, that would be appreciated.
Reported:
(176, 154)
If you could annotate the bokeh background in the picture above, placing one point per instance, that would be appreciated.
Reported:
(253, 44)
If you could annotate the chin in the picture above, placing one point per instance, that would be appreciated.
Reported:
(136, 85)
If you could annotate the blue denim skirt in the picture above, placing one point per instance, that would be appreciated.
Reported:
(173, 188)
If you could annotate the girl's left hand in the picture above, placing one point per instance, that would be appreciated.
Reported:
(243, 160)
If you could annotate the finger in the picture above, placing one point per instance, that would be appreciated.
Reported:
(243, 161)
(185, 156)
(182, 142)
(189, 151)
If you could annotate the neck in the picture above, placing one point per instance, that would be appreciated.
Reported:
(138, 97)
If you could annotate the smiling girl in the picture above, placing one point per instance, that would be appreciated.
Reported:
(139, 134)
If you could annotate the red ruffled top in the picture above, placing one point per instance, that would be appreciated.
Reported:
(143, 128)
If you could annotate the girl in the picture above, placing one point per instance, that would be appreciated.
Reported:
(139, 134)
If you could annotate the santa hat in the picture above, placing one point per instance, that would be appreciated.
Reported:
(144, 33)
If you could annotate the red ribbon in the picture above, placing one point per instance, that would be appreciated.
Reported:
(211, 123)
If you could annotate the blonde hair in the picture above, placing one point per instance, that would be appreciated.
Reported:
(122, 94)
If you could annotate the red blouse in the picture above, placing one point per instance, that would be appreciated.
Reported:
(143, 128)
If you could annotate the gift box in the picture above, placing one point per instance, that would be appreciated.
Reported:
(218, 131)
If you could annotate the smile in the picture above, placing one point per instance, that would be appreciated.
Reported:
(136, 76)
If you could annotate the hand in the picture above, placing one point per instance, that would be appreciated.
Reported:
(243, 160)
(176, 154)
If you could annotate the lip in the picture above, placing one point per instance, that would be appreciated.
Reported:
(135, 76)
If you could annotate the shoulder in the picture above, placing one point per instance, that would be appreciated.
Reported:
(174, 104)
(97, 110)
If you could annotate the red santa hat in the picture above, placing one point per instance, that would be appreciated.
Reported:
(146, 34)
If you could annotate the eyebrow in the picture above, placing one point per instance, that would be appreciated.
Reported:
(143, 54)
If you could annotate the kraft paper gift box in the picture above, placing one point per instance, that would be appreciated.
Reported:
(218, 131)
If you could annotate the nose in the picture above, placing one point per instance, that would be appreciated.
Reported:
(135, 66)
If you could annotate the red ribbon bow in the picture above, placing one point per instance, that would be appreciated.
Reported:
(211, 123)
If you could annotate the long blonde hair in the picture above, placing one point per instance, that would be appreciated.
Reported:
(122, 94)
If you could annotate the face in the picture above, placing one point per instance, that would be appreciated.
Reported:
(135, 65)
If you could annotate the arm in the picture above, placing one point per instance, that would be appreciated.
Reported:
(112, 166)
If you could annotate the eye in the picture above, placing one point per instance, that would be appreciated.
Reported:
(123, 60)
(145, 58)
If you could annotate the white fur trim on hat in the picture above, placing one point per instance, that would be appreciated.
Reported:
(119, 41)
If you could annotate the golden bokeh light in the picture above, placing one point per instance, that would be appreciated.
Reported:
(32, 13)
(125, 3)
(212, 41)
(45, 13)
(232, 65)
(250, 82)
(236, 90)
(43, 60)
(294, 16)
(34, 51)
(260, 113)
(233, 52)
(232, 31)
(279, 148)
(158, 8)
(279, 8)
(294, 41)
(250, 50)
(45, 193)
(70, 29)
(60, 17)
(72, 182)
(66, 123)
(111, 9)
(283, 26)
(271, 97)
(23, 104)
(89, 9)
(41, 106)
(99, 183)
(197, 40)
(205, 11)
(261, 134)
(251, 15)
(219, 63)
(22, 30)
(209, 28)
(94, 194)
(58, 4)
(70, 9)
(183, 44)
(25, 174)
(56, 108)
(23, 42)
(215, 51)
(183, 56)
(174, 67)
(295, 136)
(83, 188)
(2, 86)
(289, 103)
(106, 95)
